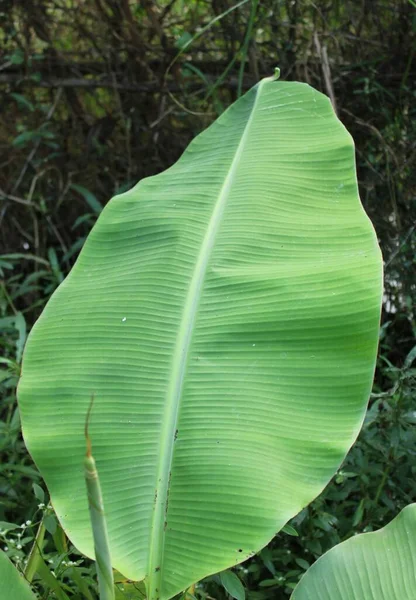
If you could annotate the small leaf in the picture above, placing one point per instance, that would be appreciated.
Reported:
(268, 583)
(183, 41)
(232, 585)
(18, 57)
(23, 138)
(6, 526)
(25, 256)
(302, 563)
(358, 514)
(53, 259)
(89, 198)
(290, 530)
(20, 325)
(22, 101)
(410, 358)
(348, 474)
(81, 219)
(5, 323)
(39, 493)
(15, 421)
(50, 523)
(267, 557)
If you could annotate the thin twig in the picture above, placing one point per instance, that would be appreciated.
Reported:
(407, 236)
(5, 196)
(80, 82)
(325, 70)
(57, 234)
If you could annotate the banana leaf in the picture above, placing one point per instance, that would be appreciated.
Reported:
(13, 585)
(225, 315)
(370, 566)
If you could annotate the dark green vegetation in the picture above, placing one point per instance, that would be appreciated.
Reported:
(86, 113)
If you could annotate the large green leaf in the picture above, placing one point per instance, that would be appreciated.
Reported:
(225, 315)
(13, 586)
(370, 566)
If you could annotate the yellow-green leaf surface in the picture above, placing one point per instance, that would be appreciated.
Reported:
(13, 586)
(225, 315)
(370, 566)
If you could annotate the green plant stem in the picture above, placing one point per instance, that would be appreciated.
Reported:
(246, 42)
(35, 553)
(381, 485)
(98, 522)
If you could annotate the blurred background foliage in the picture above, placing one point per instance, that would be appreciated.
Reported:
(97, 94)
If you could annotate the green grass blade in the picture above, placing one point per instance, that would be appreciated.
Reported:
(35, 552)
(50, 580)
(247, 38)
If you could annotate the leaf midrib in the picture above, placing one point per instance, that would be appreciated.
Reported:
(183, 343)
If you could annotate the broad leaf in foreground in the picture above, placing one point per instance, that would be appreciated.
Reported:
(13, 585)
(225, 315)
(370, 566)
